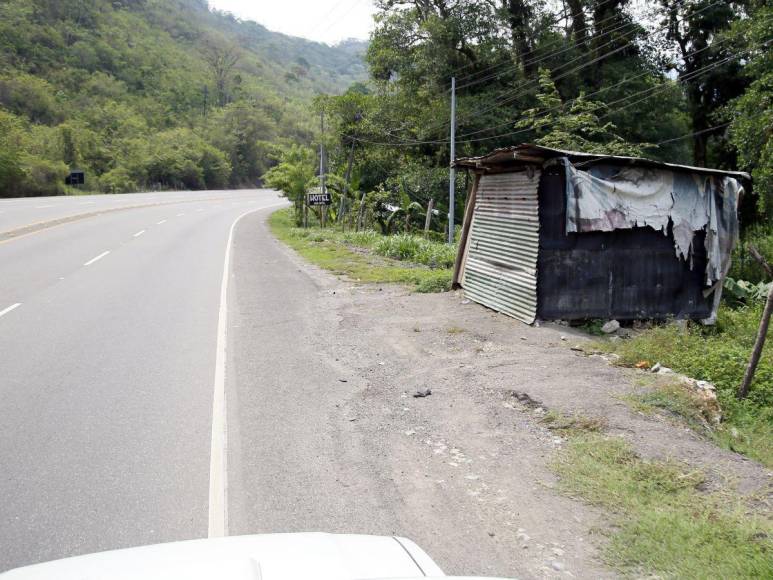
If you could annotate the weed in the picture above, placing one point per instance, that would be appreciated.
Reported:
(435, 281)
(679, 402)
(416, 249)
(664, 524)
(328, 249)
(455, 330)
(573, 425)
(593, 326)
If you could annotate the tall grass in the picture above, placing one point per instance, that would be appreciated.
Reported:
(417, 249)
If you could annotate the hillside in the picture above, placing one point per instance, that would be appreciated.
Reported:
(151, 93)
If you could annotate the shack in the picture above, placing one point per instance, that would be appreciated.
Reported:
(555, 234)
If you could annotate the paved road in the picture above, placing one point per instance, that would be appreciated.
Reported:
(108, 340)
(19, 212)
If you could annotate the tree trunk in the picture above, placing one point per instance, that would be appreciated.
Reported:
(579, 28)
(519, 13)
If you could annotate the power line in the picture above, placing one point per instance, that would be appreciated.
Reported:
(601, 90)
(537, 60)
(525, 89)
(688, 135)
(557, 19)
(653, 90)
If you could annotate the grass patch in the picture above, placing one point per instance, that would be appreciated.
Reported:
(574, 425)
(677, 401)
(336, 251)
(665, 524)
(717, 354)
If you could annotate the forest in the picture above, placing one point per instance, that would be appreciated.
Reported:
(686, 81)
(152, 94)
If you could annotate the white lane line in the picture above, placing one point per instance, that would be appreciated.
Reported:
(102, 255)
(44, 206)
(139, 233)
(11, 307)
(200, 209)
(86, 203)
(180, 215)
(161, 222)
(218, 455)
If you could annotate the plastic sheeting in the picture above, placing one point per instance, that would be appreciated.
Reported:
(610, 197)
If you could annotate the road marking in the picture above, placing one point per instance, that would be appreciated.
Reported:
(43, 206)
(180, 215)
(139, 233)
(218, 455)
(86, 202)
(200, 209)
(102, 255)
(11, 307)
(161, 222)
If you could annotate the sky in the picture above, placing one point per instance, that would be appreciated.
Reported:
(327, 21)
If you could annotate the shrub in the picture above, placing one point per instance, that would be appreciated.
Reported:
(416, 249)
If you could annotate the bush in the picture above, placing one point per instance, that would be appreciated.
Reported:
(118, 180)
(43, 177)
(416, 249)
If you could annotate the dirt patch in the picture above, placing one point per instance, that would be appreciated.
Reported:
(480, 442)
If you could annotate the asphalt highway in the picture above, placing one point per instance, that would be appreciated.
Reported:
(110, 332)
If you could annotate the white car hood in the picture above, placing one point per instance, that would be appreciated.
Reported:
(307, 556)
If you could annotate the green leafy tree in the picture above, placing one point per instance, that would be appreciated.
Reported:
(751, 131)
(294, 175)
(578, 126)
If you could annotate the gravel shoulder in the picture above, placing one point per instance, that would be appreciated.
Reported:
(326, 434)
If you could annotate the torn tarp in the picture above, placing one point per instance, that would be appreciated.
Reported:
(609, 197)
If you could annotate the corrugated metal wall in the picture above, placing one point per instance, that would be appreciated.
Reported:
(500, 269)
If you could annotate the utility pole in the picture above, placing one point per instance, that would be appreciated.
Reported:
(452, 177)
(322, 162)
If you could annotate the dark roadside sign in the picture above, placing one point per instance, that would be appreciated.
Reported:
(318, 198)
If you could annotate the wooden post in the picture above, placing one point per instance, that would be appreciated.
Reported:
(430, 207)
(762, 333)
(361, 212)
(468, 213)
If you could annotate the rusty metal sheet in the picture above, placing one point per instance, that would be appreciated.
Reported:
(500, 269)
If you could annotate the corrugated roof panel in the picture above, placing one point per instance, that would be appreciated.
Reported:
(501, 266)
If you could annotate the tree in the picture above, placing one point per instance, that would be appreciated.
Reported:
(695, 27)
(751, 131)
(576, 126)
(293, 175)
(222, 58)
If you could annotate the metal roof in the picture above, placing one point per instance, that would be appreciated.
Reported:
(528, 153)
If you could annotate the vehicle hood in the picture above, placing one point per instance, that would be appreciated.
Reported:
(305, 556)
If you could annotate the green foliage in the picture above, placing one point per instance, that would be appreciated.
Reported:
(151, 94)
(752, 113)
(744, 266)
(333, 250)
(666, 525)
(293, 176)
(718, 354)
(742, 291)
(577, 127)
(417, 249)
